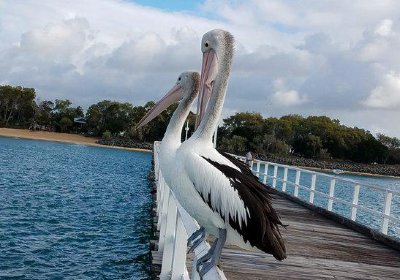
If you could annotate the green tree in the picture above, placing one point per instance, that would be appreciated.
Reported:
(65, 124)
(236, 144)
(315, 143)
(17, 105)
(109, 115)
(43, 113)
(107, 135)
(392, 143)
(62, 111)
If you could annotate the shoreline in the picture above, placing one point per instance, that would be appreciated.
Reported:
(378, 170)
(61, 137)
(91, 141)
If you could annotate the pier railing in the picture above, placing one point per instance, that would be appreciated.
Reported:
(382, 212)
(175, 225)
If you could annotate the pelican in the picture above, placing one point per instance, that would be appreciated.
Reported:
(185, 92)
(220, 192)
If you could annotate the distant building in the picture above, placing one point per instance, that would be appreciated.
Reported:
(79, 122)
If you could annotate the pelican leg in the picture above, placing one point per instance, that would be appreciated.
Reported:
(196, 238)
(207, 257)
(213, 256)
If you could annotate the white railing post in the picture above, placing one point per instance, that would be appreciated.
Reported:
(160, 201)
(180, 248)
(156, 164)
(386, 211)
(275, 176)
(163, 218)
(159, 193)
(313, 179)
(285, 172)
(331, 194)
(258, 169)
(168, 252)
(356, 192)
(296, 184)
(265, 173)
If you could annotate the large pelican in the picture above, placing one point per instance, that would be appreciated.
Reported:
(221, 193)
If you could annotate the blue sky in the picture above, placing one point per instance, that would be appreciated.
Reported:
(171, 5)
(334, 57)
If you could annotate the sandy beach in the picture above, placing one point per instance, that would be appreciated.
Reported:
(59, 137)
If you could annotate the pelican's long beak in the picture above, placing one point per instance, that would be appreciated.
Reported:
(174, 95)
(209, 72)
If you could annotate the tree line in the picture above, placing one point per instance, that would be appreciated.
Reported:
(19, 108)
(311, 137)
(291, 135)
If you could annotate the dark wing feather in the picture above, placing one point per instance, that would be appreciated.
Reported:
(262, 228)
(244, 168)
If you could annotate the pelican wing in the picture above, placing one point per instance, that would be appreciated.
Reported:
(215, 188)
(231, 190)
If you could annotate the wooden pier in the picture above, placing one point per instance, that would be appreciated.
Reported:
(318, 248)
(320, 245)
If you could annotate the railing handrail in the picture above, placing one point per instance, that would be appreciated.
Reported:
(396, 192)
(385, 215)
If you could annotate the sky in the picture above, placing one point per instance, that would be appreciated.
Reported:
(334, 57)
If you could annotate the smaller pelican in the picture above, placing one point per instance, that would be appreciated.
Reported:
(185, 91)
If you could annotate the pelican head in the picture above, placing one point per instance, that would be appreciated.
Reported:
(185, 91)
(217, 47)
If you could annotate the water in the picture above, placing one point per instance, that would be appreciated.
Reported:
(77, 212)
(72, 211)
(370, 198)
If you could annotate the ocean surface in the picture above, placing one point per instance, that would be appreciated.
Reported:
(369, 198)
(72, 211)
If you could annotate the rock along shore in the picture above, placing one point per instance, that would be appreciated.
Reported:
(378, 169)
(126, 144)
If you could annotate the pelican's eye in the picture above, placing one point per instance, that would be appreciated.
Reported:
(206, 44)
(179, 78)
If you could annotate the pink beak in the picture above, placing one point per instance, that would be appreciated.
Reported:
(174, 95)
(209, 72)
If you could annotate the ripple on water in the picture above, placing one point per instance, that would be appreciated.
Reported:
(72, 212)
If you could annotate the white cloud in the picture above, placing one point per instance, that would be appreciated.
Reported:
(331, 56)
(385, 28)
(284, 97)
(386, 95)
(288, 98)
(373, 51)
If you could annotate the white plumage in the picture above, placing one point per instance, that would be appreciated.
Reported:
(220, 193)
